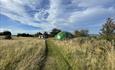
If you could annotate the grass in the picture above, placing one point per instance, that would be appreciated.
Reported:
(85, 54)
(55, 60)
(21, 54)
(74, 54)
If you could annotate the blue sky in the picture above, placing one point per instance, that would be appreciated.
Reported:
(32, 16)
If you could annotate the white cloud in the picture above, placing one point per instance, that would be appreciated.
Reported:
(93, 3)
(60, 13)
(92, 14)
(54, 10)
(15, 9)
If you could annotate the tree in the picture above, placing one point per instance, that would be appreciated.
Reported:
(38, 34)
(45, 35)
(54, 32)
(81, 33)
(108, 29)
(24, 35)
(7, 34)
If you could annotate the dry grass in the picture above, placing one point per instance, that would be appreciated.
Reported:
(74, 54)
(85, 54)
(21, 54)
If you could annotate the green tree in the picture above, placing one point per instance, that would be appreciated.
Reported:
(54, 32)
(108, 30)
(7, 34)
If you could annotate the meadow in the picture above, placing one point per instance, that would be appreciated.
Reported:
(21, 54)
(74, 54)
(88, 54)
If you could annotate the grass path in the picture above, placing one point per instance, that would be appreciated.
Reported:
(44, 58)
(54, 59)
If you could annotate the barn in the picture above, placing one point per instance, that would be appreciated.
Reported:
(63, 35)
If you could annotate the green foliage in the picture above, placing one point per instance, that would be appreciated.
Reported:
(54, 32)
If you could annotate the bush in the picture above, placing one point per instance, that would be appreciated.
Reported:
(7, 34)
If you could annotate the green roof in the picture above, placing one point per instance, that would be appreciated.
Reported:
(63, 35)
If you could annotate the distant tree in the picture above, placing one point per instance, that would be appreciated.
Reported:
(81, 33)
(69, 35)
(84, 32)
(54, 32)
(1, 33)
(24, 35)
(108, 30)
(77, 33)
(38, 34)
(45, 35)
(7, 34)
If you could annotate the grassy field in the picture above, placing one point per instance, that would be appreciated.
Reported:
(21, 54)
(85, 54)
(74, 54)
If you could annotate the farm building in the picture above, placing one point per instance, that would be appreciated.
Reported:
(63, 35)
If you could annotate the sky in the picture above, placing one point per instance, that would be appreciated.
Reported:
(31, 16)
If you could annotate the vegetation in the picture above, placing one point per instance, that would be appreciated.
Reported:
(108, 30)
(74, 54)
(38, 34)
(7, 34)
(45, 35)
(54, 32)
(55, 60)
(81, 33)
(24, 35)
(21, 54)
(87, 54)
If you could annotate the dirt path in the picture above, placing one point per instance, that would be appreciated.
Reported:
(44, 57)
(53, 59)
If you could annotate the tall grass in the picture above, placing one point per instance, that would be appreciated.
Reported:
(88, 54)
(74, 54)
(21, 54)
